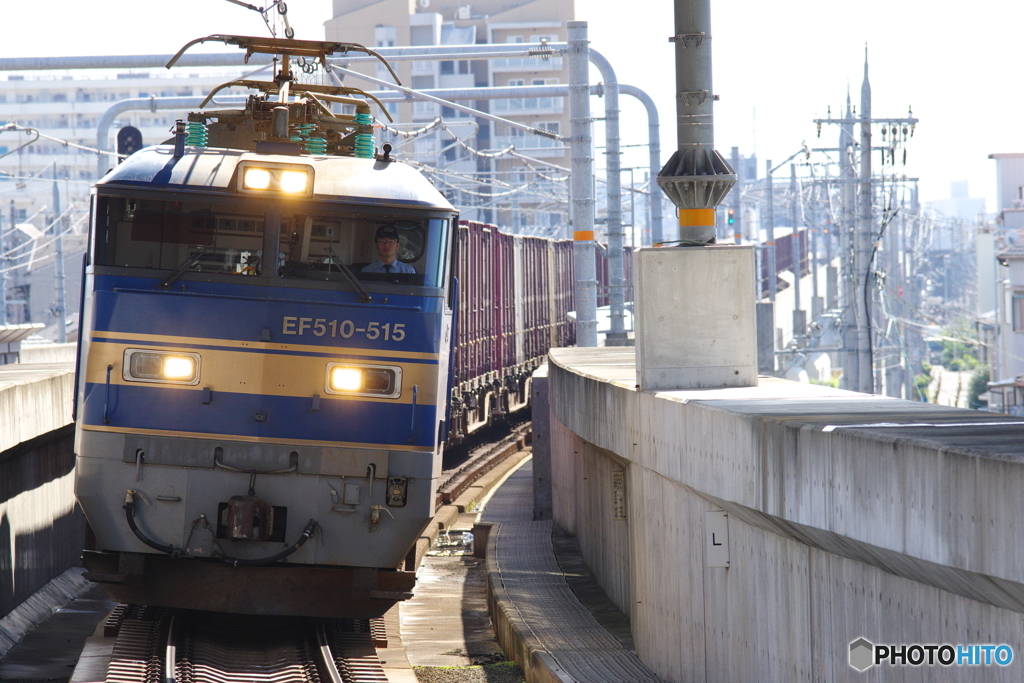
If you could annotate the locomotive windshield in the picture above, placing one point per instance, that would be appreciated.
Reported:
(248, 240)
(157, 234)
(375, 247)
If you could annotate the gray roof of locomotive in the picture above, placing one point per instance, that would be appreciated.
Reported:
(335, 178)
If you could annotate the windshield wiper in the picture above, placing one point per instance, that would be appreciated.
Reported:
(347, 272)
(186, 264)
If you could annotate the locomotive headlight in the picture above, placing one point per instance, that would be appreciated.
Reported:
(346, 379)
(256, 178)
(162, 367)
(179, 367)
(268, 178)
(293, 181)
(380, 381)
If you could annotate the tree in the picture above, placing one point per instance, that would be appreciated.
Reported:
(979, 385)
(959, 355)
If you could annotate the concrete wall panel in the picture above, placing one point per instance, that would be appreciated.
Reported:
(41, 529)
(834, 532)
(564, 475)
(668, 617)
(49, 353)
(588, 513)
(34, 400)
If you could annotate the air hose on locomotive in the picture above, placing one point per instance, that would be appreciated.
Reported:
(129, 513)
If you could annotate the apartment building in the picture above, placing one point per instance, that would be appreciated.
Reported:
(541, 206)
(68, 106)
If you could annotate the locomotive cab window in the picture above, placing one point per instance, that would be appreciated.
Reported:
(230, 238)
(374, 247)
(165, 235)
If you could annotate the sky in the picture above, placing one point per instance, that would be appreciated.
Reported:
(777, 66)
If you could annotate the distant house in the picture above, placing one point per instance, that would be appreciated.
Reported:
(1006, 391)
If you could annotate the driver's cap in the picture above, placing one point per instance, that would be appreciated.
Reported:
(386, 232)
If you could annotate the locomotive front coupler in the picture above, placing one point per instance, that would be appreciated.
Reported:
(250, 518)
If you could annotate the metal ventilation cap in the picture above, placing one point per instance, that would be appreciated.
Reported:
(696, 180)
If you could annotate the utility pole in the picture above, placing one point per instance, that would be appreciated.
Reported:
(581, 149)
(893, 365)
(915, 343)
(6, 261)
(851, 374)
(60, 309)
(799, 315)
(697, 178)
(3, 271)
(865, 229)
(903, 289)
(858, 237)
(814, 242)
(737, 200)
(770, 231)
(832, 241)
(770, 218)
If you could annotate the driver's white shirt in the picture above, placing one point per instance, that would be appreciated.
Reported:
(396, 267)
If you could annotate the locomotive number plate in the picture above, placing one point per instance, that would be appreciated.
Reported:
(321, 327)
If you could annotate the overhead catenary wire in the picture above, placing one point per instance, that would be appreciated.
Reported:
(13, 127)
(38, 244)
(488, 154)
(410, 93)
(66, 213)
(36, 178)
(511, 189)
(478, 177)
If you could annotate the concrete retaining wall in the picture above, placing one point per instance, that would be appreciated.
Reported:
(34, 399)
(48, 353)
(582, 492)
(41, 529)
(833, 533)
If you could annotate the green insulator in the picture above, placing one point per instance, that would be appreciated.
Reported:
(196, 134)
(301, 132)
(315, 145)
(364, 141)
(364, 145)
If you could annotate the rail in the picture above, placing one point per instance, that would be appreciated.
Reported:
(155, 644)
(480, 462)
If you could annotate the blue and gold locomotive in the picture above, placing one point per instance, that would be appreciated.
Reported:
(256, 388)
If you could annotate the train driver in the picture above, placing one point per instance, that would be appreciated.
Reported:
(386, 241)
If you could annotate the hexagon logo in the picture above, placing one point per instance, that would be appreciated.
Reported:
(862, 654)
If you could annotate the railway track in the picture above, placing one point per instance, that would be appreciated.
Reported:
(159, 646)
(479, 462)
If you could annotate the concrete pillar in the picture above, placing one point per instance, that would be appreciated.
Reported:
(832, 287)
(582, 190)
(766, 338)
(769, 226)
(695, 318)
(817, 306)
(59, 226)
(541, 441)
(799, 322)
